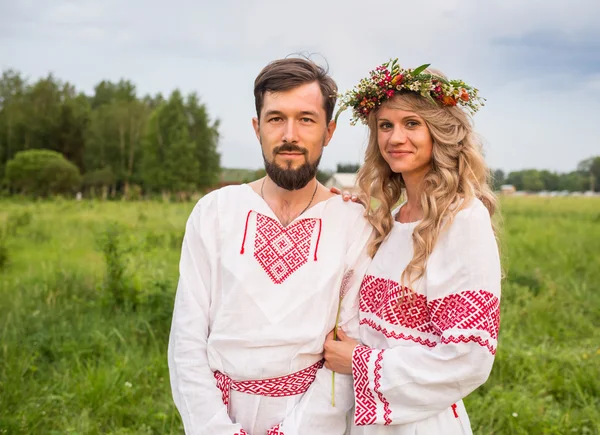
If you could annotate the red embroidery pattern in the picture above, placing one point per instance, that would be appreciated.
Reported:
(241, 432)
(282, 250)
(380, 296)
(289, 385)
(365, 411)
(472, 309)
(470, 339)
(382, 399)
(275, 430)
(467, 310)
(398, 336)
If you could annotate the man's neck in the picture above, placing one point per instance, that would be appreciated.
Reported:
(288, 204)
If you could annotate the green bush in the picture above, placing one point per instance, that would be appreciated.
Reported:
(119, 289)
(42, 173)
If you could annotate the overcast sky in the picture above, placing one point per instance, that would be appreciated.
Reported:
(536, 62)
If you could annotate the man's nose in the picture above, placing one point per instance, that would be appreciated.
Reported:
(290, 132)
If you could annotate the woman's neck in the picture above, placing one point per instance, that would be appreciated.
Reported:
(412, 210)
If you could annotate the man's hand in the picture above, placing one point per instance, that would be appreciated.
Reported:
(338, 354)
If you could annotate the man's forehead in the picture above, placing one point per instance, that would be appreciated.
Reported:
(303, 98)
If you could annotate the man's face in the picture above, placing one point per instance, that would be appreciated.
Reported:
(293, 132)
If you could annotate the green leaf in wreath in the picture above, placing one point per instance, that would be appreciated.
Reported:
(420, 69)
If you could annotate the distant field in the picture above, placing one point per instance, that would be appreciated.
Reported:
(86, 293)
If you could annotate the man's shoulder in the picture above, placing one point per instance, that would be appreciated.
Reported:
(214, 200)
(224, 193)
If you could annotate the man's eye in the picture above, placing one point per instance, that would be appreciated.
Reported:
(275, 119)
(306, 120)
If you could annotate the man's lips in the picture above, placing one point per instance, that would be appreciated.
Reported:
(290, 154)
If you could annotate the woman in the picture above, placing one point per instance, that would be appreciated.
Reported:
(429, 303)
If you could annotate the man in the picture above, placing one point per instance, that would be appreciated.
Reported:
(262, 269)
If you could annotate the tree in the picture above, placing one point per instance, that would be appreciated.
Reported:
(497, 179)
(108, 133)
(45, 115)
(573, 182)
(550, 180)
(100, 179)
(170, 159)
(516, 179)
(323, 176)
(42, 173)
(528, 179)
(42, 110)
(12, 117)
(532, 181)
(107, 93)
(116, 132)
(349, 168)
(73, 121)
(205, 136)
(591, 168)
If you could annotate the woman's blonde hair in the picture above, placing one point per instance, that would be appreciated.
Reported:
(458, 174)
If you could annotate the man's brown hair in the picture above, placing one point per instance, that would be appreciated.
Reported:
(285, 74)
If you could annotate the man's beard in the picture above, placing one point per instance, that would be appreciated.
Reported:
(288, 178)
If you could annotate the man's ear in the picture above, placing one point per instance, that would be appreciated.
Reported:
(330, 130)
(256, 126)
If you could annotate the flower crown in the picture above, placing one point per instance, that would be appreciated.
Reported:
(389, 79)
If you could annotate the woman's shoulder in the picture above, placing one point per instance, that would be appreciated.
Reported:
(471, 221)
(469, 241)
(470, 210)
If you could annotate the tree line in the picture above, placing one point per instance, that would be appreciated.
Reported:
(585, 177)
(54, 139)
(113, 142)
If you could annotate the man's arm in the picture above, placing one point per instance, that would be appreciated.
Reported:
(195, 392)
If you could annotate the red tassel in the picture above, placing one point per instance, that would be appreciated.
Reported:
(454, 410)
(318, 238)
(245, 232)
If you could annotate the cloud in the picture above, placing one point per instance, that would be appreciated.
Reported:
(553, 52)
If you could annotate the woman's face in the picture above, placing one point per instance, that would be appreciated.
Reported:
(404, 141)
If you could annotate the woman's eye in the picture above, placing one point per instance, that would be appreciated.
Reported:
(412, 124)
(385, 125)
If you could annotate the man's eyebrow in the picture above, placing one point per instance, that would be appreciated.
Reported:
(273, 112)
(309, 112)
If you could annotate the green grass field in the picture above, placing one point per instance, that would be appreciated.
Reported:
(86, 293)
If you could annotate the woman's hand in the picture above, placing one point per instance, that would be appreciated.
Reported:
(338, 354)
(346, 196)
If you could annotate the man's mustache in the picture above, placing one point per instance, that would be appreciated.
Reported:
(289, 148)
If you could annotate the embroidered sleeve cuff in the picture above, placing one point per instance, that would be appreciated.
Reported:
(371, 405)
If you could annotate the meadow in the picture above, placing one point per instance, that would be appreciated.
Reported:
(86, 295)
